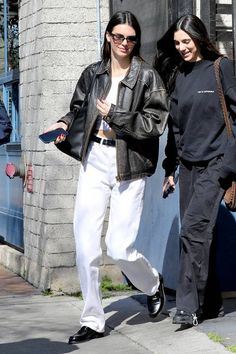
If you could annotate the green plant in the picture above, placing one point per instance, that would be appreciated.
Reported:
(107, 288)
(77, 294)
(47, 292)
(215, 337)
(107, 285)
(231, 348)
(218, 339)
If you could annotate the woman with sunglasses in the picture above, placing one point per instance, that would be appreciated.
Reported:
(117, 113)
(197, 141)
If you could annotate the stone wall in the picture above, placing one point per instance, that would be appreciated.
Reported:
(57, 40)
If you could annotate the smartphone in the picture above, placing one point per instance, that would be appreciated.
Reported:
(48, 137)
(170, 189)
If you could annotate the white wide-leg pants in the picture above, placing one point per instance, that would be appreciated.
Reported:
(97, 185)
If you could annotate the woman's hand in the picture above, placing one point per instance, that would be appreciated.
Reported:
(61, 137)
(168, 186)
(103, 107)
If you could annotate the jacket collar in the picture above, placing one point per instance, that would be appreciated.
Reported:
(131, 77)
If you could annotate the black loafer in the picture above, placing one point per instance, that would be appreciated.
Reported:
(184, 318)
(156, 302)
(84, 334)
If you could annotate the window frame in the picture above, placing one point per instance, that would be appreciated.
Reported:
(9, 81)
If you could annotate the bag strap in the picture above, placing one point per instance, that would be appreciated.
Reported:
(222, 97)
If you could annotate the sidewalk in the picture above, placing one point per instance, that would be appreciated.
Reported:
(35, 324)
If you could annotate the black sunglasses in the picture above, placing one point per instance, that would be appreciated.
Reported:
(119, 38)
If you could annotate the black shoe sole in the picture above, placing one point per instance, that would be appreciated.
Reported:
(182, 322)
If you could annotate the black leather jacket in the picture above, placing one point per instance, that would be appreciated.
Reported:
(138, 118)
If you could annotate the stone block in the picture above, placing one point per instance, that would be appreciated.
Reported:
(59, 216)
(12, 259)
(60, 246)
(65, 279)
(59, 260)
(36, 274)
(56, 231)
(68, 15)
(58, 201)
(56, 187)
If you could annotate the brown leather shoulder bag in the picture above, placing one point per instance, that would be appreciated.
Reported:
(230, 193)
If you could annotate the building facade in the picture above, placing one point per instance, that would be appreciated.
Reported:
(56, 41)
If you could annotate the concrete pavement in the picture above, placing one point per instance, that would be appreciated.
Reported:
(31, 323)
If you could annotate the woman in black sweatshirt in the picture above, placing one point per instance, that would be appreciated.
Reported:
(197, 142)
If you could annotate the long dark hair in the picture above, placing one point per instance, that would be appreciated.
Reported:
(120, 18)
(168, 60)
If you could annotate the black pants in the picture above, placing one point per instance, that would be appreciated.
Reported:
(200, 197)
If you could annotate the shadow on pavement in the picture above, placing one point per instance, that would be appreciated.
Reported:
(131, 315)
(37, 346)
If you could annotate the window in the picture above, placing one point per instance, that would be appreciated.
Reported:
(2, 46)
(9, 62)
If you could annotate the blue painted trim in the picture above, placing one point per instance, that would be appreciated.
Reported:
(9, 77)
(5, 97)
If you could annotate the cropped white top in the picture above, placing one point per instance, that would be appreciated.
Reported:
(112, 98)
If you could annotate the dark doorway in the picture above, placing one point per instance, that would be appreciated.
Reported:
(153, 18)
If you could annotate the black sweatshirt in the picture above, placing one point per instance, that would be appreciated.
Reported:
(196, 125)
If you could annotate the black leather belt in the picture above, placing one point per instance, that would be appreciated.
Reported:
(108, 142)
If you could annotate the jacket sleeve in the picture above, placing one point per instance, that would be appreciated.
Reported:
(149, 121)
(229, 86)
(81, 90)
(171, 162)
